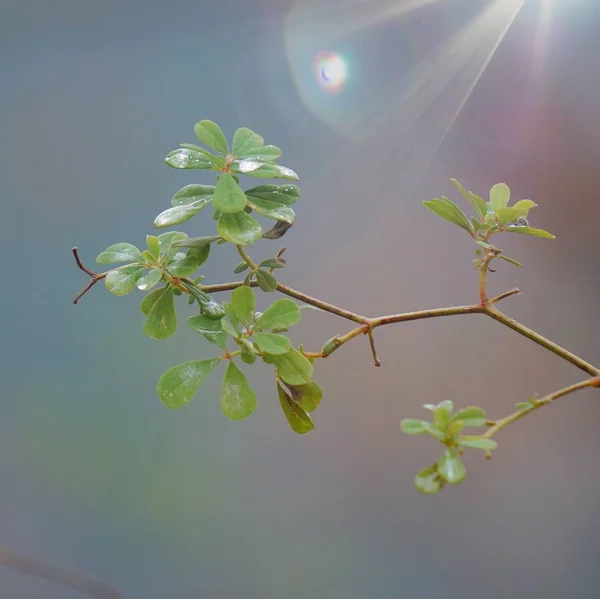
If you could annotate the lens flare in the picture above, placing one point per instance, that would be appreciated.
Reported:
(329, 70)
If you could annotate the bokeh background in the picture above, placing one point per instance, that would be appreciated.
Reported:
(97, 475)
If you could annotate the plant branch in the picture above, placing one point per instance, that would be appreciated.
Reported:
(376, 360)
(66, 577)
(511, 323)
(504, 295)
(286, 290)
(246, 258)
(487, 307)
(94, 276)
(538, 403)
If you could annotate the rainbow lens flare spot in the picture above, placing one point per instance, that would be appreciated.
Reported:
(329, 70)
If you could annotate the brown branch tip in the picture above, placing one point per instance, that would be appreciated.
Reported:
(94, 276)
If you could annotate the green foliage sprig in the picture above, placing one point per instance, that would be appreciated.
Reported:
(168, 267)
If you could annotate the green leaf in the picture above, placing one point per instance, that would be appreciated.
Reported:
(184, 264)
(243, 303)
(471, 416)
(179, 214)
(210, 133)
(447, 405)
(456, 427)
(273, 210)
(150, 279)
(429, 481)
(148, 257)
(414, 426)
(241, 267)
(153, 245)
(123, 280)
(480, 443)
(480, 201)
(499, 196)
(525, 405)
(442, 417)
(197, 242)
(510, 214)
(190, 194)
(450, 212)
(435, 431)
(277, 231)
(272, 343)
(246, 166)
(505, 216)
(530, 231)
(286, 194)
(228, 197)
(524, 206)
(238, 400)
(198, 149)
(178, 385)
(166, 241)
(209, 328)
(476, 202)
(239, 228)
(220, 163)
(451, 467)
(273, 171)
(273, 201)
(190, 260)
(245, 141)
(264, 154)
(209, 306)
(272, 263)
(307, 396)
(266, 281)
(281, 314)
(149, 300)
(188, 159)
(119, 252)
(477, 226)
(161, 321)
(489, 246)
(247, 357)
(299, 421)
(511, 261)
(459, 214)
(246, 345)
(232, 318)
(293, 368)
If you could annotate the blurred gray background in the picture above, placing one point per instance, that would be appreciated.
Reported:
(97, 475)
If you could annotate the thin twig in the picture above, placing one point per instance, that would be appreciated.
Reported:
(504, 295)
(373, 350)
(66, 577)
(538, 403)
(94, 276)
(511, 323)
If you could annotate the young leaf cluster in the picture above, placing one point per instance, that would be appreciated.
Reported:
(448, 429)
(494, 216)
(233, 207)
(255, 335)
